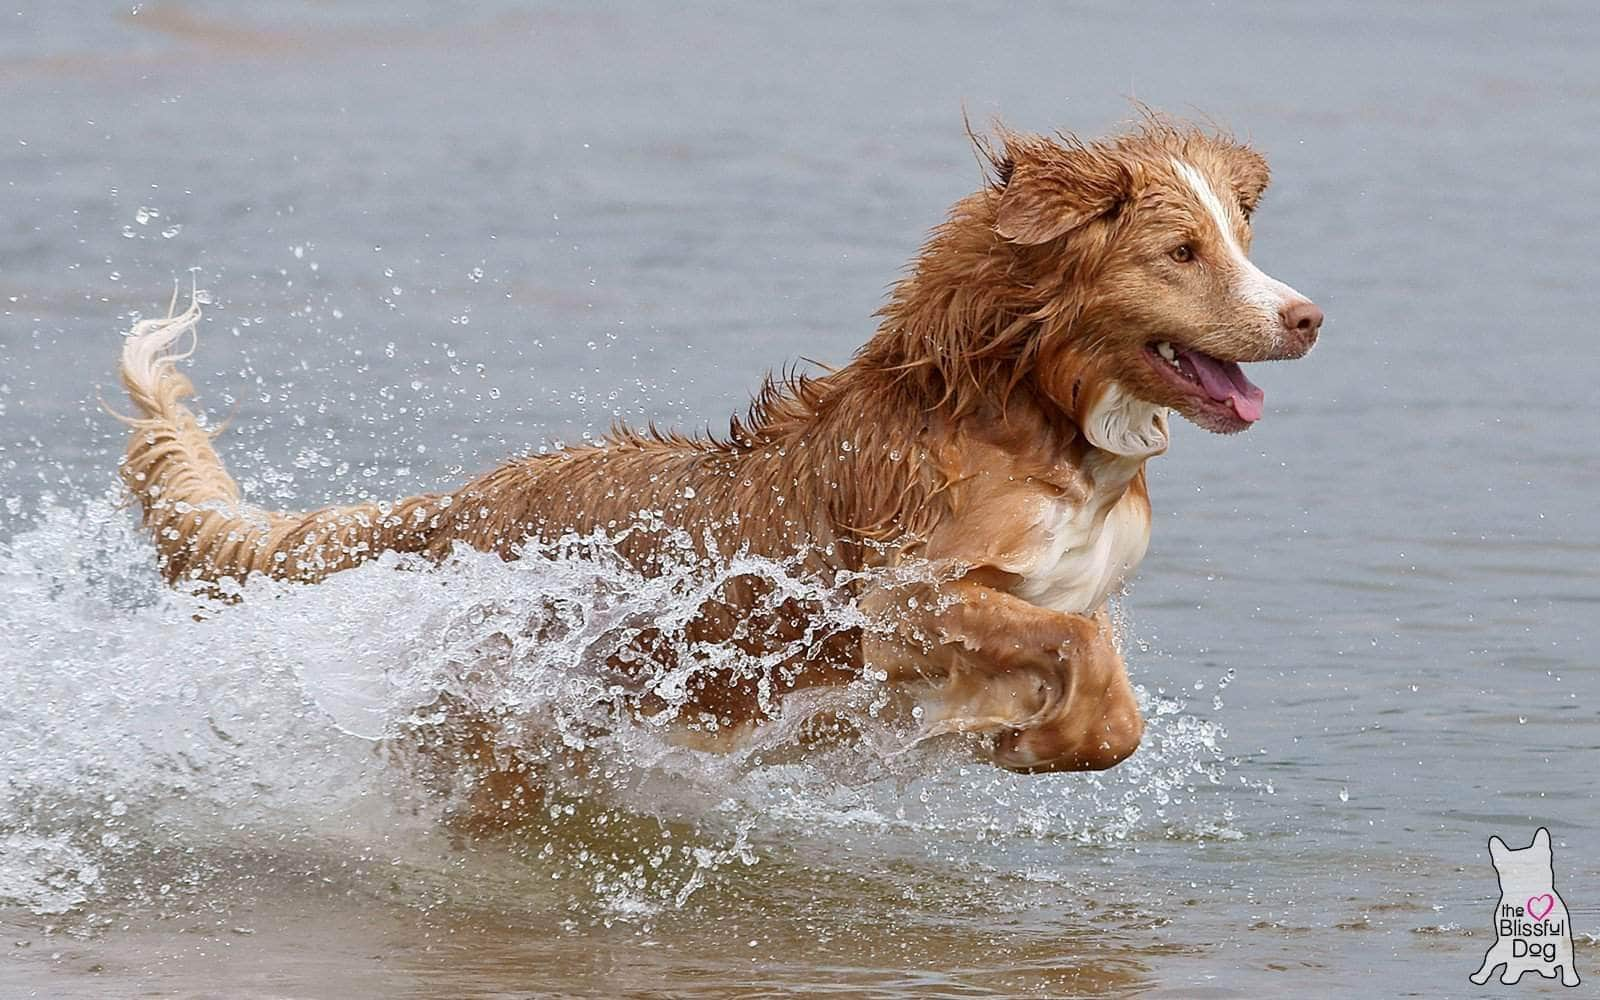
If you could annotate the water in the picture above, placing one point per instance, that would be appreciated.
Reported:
(1362, 632)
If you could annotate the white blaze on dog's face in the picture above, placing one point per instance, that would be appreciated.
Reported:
(1151, 245)
(1247, 315)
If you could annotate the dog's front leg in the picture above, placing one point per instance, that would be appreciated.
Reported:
(1050, 686)
(1094, 725)
(971, 620)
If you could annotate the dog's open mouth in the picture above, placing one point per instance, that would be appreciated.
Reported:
(1220, 385)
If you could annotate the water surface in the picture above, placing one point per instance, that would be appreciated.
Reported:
(1363, 630)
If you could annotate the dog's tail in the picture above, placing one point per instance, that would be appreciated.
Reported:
(192, 506)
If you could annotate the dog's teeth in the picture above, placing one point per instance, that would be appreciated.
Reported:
(1166, 351)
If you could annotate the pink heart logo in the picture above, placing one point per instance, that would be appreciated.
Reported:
(1540, 906)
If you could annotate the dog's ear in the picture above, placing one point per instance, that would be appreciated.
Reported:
(1248, 175)
(1047, 188)
(1497, 848)
(1541, 840)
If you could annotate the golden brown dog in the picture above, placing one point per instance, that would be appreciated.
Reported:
(995, 428)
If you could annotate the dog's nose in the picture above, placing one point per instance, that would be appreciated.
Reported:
(1303, 318)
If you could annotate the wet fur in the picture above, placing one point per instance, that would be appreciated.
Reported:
(997, 422)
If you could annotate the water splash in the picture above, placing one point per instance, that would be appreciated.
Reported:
(147, 736)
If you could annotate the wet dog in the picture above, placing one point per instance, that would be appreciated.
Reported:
(994, 429)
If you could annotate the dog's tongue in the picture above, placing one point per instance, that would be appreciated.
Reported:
(1225, 382)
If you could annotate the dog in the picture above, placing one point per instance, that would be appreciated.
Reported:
(993, 430)
(1530, 921)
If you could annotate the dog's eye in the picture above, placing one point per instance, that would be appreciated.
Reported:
(1183, 253)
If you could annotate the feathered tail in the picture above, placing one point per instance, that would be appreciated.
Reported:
(192, 505)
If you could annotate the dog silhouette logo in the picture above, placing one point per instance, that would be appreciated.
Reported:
(1532, 932)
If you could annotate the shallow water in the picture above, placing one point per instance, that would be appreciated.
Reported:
(1363, 630)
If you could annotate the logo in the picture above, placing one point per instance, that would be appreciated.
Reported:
(1531, 932)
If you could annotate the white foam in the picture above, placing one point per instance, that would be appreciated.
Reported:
(128, 728)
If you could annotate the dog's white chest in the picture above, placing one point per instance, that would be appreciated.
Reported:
(1079, 558)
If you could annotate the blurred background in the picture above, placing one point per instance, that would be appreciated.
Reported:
(436, 237)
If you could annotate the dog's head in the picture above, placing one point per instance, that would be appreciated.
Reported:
(1133, 255)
